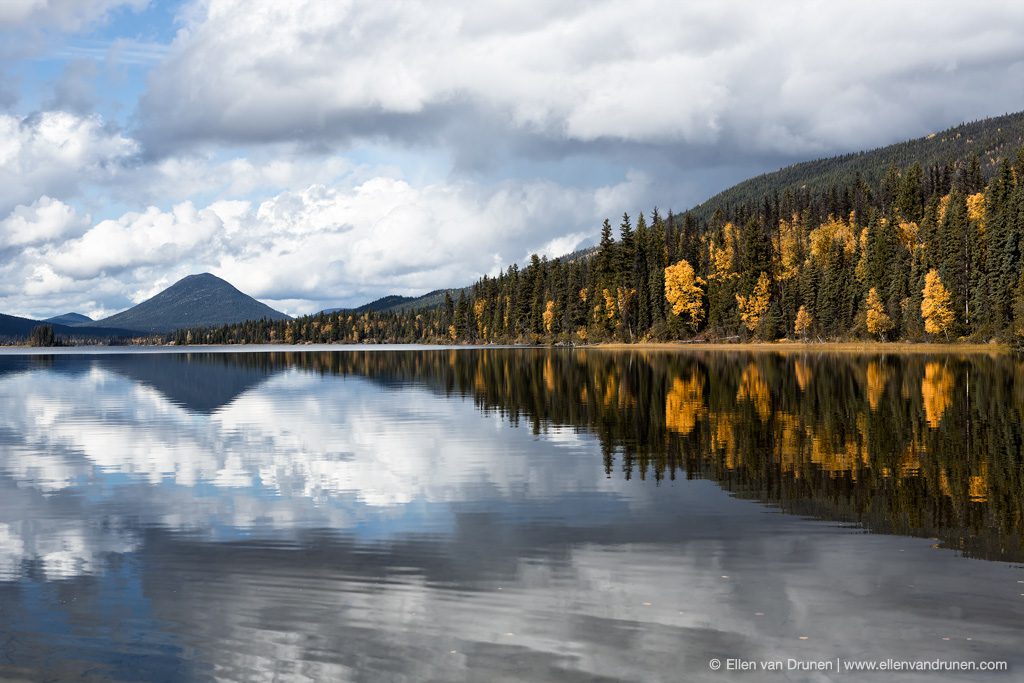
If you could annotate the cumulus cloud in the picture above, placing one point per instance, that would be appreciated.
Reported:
(53, 153)
(307, 249)
(790, 79)
(44, 220)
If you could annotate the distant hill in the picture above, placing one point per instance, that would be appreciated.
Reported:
(990, 139)
(394, 303)
(202, 300)
(13, 328)
(70, 319)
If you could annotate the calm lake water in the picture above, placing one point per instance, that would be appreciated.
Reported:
(507, 514)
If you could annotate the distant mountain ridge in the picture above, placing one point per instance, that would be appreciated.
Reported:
(70, 319)
(13, 328)
(990, 139)
(202, 300)
(395, 303)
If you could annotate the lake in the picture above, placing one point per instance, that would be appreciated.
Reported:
(507, 514)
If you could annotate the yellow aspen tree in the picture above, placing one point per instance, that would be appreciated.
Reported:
(787, 246)
(683, 292)
(610, 309)
(479, 307)
(549, 316)
(943, 207)
(803, 322)
(832, 230)
(976, 209)
(723, 255)
(936, 307)
(753, 307)
(878, 321)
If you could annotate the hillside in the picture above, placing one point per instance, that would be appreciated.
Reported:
(202, 300)
(13, 328)
(70, 319)
(989, 139)
(395, 303)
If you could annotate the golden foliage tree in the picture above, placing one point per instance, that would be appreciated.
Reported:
(976, 208)
(936, 306)
(610, 309)
(723, 255)
(479, 309)
(833, 230)
(878, 320)
(549, 316)
(787, 246)
(683, 292)
(753, 307)
(803, 322)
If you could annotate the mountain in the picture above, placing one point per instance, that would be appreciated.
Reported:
(202, 300)
(70, 319)
(990, 139)
(395, 303)
(15, 328)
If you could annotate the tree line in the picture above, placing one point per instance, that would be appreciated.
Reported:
(926, 253)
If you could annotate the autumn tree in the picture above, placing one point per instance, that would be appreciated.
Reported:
(802, 325)
(549, 316)
(878, 320)
(754, 307)
(936, 306)
(684, 293)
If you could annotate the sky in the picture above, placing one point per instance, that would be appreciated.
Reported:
(324, 154)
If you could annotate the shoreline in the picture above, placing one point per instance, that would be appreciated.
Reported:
(812, 347)
(670, 346)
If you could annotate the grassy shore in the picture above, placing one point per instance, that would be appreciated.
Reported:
(812, 347)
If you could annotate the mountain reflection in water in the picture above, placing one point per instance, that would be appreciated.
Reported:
(363, 514)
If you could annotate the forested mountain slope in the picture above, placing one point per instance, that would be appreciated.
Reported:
(990, 139)
(15, 329)
(196, 300)
(918, 241)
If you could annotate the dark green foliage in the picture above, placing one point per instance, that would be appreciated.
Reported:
(992, 139)
(43, 336)
(16, 330)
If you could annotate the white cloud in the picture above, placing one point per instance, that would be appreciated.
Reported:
(44, 220)
(780, 78)
(54, 153)
(137, 239)
(303, 250)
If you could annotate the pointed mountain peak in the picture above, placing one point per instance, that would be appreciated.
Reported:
(199, 300)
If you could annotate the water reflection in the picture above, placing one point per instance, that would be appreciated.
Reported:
(528, 514)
